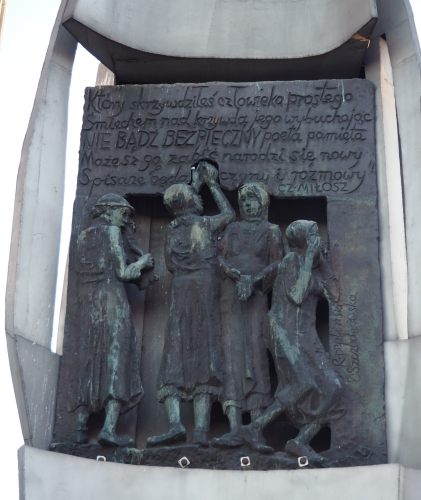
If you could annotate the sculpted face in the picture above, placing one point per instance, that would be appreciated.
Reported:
(250, 204)
(253, 202)
(119, 216)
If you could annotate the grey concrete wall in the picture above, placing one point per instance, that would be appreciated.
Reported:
(397, 24)
(39, 371)
(35, 244)
(50, 476)
(394, 269)
(394, 66)
(226, 28)
(403, 401)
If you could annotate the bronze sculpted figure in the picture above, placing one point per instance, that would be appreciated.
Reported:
(309, 391)
(109, 376)
(247, 247)
(192, 362)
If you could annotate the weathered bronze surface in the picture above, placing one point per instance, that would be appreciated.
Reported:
(276, 341)
(299, 138)
(108, 366)
(192, 361)
(309, 390)
(246, 248)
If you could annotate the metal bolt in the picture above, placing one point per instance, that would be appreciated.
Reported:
(184, 462)
(302, 461)
(245, 461)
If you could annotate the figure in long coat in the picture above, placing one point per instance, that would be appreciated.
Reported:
(247, 247)
(309, 390)
(192, 361)
(109, 375)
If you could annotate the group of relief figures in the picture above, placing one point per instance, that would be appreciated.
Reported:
(219, 326)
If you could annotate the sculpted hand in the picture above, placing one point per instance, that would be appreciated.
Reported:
(244, 287)
(208, 172)
(256, 279)
(147, 261)
(233, 273)
(313, 245)
(197, 180)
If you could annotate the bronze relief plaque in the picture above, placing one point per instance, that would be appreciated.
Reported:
(243, 318)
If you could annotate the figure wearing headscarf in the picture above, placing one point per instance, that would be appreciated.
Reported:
(192, 361)
(247, 247)
(109, 374)
(309, 391)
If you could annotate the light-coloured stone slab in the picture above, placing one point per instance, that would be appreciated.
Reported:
(104, 76)
(397, 23)
(40, 369)
(51, 476)
(391, 217)
(16, 372)
(411, 484)
(257, 29)
(35, 243)
(403, 401)
(35, 374)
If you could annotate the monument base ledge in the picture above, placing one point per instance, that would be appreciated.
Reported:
(54, 476)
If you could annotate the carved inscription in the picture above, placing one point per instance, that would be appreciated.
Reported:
(300, 138)
(345, 340)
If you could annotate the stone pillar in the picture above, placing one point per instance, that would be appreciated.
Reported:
(35, 244)
(391, 214)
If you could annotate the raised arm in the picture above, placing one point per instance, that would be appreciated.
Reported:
(265, 280)
(227, 215)
(127, 272)
(297, 276)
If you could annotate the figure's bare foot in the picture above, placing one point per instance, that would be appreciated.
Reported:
(255, 440)
(229, 440)
(175, 434)
(106, 438)
(201, 438)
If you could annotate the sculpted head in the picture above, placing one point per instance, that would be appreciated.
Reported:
(182, 199)
(300, 233)
(114, 208)
(253, 201)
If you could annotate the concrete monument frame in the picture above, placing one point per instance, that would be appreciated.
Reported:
(392, 63)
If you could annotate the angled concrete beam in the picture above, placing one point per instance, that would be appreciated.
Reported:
(397, 23)
(35, 240)
(225, 29)
(391, 214)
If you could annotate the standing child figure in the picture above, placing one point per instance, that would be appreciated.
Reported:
(247, 247)
(192, 362)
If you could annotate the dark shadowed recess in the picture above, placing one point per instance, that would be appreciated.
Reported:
(281, 212)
